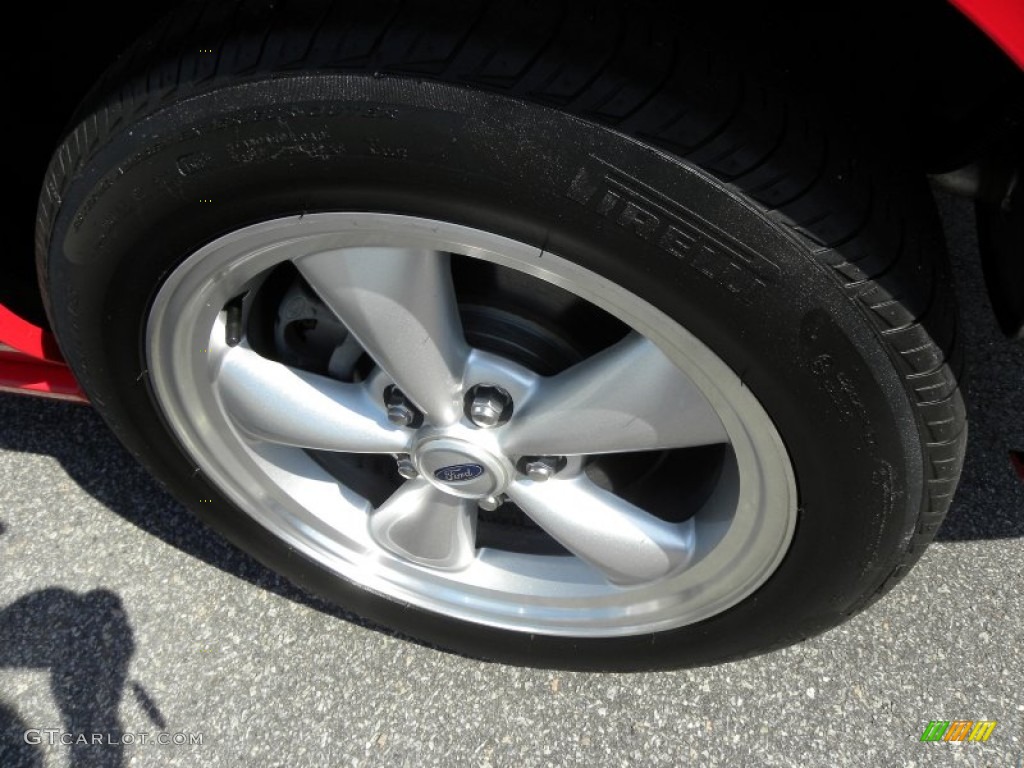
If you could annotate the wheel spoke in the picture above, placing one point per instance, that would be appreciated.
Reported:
(273, 402)
(426, 525)
(629, 397)
(400, 305)
(626, 544)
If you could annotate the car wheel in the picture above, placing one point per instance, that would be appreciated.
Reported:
(521, 350)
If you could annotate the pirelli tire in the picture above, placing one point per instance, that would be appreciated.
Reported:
(670, 187)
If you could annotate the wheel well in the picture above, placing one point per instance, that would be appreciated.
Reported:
(61, 54)
(894, 74)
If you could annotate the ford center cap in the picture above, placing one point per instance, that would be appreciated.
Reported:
(461, 468)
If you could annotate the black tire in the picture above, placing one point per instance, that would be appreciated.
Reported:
(818, 270)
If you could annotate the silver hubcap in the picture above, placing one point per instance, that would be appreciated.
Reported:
(468, 430)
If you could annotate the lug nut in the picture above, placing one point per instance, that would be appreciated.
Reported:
(401, 415)
(401, 412)
(407, 469)
(488, 405)
(491, 503)
(541, 468)
(538, 471)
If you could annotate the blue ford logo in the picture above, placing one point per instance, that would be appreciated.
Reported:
(458, 473)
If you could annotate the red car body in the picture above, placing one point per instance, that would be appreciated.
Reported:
(30, 361)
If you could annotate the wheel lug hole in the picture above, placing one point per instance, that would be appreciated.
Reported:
(541, 468)
(401, 411)
(488, 405)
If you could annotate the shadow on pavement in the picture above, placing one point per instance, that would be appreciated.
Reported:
(85, 643)
(989, 503)
(87, 451)
(14, 751)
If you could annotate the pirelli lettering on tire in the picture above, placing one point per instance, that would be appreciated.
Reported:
(647, 214)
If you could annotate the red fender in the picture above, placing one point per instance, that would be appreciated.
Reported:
(30, 361)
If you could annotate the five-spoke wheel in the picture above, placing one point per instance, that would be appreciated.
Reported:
(579, 455)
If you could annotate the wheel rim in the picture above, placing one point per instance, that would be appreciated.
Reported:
(251, 424)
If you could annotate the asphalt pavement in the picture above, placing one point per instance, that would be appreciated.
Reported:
(120, 613)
